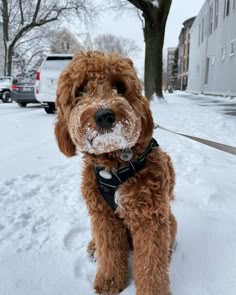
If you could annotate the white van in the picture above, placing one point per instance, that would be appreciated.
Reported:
(46, 79)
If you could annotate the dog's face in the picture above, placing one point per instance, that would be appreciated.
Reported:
(100, 108)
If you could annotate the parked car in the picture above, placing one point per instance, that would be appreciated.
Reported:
(23, 91)
(6, 89)
(170, 89)
(46, 79)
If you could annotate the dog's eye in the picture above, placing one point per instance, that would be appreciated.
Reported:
(120, 87)
(80, 90)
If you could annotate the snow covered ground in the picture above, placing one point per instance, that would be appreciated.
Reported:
(44, 227)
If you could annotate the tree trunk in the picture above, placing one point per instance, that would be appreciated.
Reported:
(155, 15)
(9, 60)
(5, 58)
(5, 17)
(154, 38)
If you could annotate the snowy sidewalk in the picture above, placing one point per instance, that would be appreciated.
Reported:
(44, 227)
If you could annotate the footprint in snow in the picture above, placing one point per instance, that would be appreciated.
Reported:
(59, 167)
(84, 269)
(30, 176)
(76, 238)
(10, 182)
(31, 192)
(40, 225)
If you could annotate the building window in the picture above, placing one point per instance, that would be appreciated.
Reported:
(223, 53)
(65, 45)
(199, 34)
(216, 13)
(211, 19)
(203, 30)
(226, 8)
(213, 60)
(207, 71)
(232, 48)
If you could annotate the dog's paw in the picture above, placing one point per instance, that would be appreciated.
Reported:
(91, 249)
(118, 200)
(93, 258)
(108, 285)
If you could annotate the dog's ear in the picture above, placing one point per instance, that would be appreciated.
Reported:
(63, 101)
(147, 124)
(62, 135)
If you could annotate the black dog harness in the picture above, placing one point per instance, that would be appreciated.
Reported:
(110, 181)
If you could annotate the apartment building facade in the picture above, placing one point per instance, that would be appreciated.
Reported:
(2, 52)
(169, 69)
(183, 54)
(212, 64)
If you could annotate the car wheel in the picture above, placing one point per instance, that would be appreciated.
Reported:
(6, 97)
(22, 104)
(50, 108)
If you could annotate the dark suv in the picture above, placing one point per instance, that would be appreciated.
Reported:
(23, 91)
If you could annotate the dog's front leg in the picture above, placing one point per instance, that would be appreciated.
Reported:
(149, 224)
(151, 252)
(109, 234)
(112, 254)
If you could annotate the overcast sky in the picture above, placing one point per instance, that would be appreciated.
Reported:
(130, 26)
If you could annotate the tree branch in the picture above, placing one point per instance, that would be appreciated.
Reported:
(30, 40)
(36, 11)
(5, 16)
(21, 13)
(145, 5)
(40, 51)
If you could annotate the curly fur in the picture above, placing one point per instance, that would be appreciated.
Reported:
(91, 81)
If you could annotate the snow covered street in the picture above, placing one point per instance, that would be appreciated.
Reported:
(44, 226)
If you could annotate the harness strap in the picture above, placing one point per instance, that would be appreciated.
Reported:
(109, 181)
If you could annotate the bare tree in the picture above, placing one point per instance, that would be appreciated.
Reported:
(33, 46)
(154, 17)
(22, 16)
(111, 43)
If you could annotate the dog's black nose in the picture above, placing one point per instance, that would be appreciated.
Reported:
(104, 118)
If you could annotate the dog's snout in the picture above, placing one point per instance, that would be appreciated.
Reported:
(104, 118)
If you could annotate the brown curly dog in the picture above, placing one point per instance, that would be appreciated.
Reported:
(127, 179)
